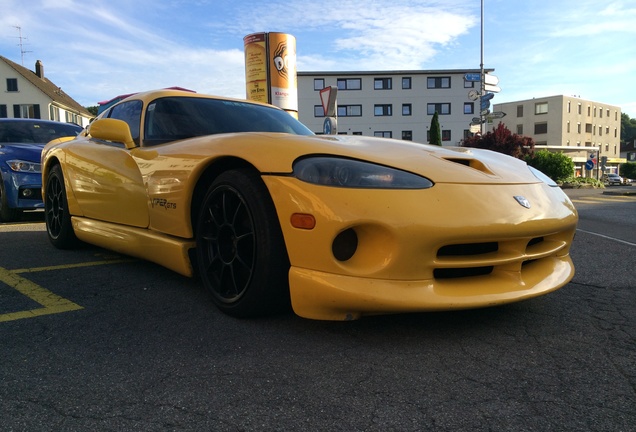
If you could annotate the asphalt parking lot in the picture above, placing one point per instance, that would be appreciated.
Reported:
(96, 341)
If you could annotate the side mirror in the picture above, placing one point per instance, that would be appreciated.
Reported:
(112, 130)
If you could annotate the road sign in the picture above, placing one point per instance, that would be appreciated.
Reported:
(473, 95)
(589, 165)
(491, 79)
(473, 77)
(497, 115)
(330, 126)
(492, 88)
(476, 119)
(488, 96)
(485, 112)
(475, 128)
(328, 99)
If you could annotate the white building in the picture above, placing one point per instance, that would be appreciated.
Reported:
(396, 104)
(576, 127)
(29, 94)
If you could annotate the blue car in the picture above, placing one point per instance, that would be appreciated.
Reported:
(21, 143)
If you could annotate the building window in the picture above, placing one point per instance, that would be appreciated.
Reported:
(600, 112)
(519, 129)
(382, 84)
(519, 110)
(319, 83)
(383, 110)
(446, 135)
(383, 134)
(356, 133)
(440, 108)
(569, 107)
(568, 126)
(407, 135)
(406, 109)
(349, 110)
(589, 111)
(319, 111)
(579, 109)
(12, 84)
(438, 82)
(467, 133)
(600, 131)
(469, 84)
(54, 113)
(469, 107)
(3, 111)
(541, 108)
(349, 84)
(578, 128)
(540, 128)
(406, 83)
(26, 111)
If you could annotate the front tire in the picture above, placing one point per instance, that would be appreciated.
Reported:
(241, 253)
(7, 214)
(56, 214)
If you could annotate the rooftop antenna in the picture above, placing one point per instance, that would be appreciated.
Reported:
(21, 44)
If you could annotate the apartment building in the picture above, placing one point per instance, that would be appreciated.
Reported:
(576, 127)
(393, 104)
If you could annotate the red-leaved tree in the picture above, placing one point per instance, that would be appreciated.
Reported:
(503, 141)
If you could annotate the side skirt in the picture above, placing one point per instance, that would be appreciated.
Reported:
(167, 251)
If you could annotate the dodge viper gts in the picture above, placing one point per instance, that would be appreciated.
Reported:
(269, 215)
(21, 143)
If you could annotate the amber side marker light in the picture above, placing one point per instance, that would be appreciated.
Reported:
(303, 221)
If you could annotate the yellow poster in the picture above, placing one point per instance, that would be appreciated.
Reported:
(256, 67)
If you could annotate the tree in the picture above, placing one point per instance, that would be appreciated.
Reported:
(557, 166)
(435, 131)
(92, 109)
(628, 170)
(503, 141)
(628, 129)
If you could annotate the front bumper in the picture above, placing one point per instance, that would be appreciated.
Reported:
(23, 190)
(449, 247)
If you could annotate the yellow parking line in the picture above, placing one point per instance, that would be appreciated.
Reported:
(51, 303)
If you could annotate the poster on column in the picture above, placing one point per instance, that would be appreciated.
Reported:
(256, 67)
(283, 77)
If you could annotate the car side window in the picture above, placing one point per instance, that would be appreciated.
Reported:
(130, 112)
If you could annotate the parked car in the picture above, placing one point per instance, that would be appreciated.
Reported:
(270, 215)
(21, 143)
(612, 179)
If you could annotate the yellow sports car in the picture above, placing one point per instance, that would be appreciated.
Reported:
(269, 215)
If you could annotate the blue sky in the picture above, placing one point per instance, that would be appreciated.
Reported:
(97, 49)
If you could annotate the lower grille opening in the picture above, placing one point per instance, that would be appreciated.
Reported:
(468, 249)
(452, 273)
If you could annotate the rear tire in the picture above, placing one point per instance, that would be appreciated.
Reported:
(241, 253)
(56, 215)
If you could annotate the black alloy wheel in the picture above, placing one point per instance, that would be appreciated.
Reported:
(56, 214)
(241, 254)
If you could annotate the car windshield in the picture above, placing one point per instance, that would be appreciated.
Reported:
(29, 132)
(173, 118)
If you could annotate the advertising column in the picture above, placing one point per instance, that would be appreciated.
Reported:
(270, 70)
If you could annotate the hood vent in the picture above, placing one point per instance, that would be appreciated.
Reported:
(471, 163)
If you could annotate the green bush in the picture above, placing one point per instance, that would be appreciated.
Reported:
(557, 166)
(577, 182)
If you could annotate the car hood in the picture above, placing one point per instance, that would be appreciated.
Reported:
(27, 152)
(276, 153)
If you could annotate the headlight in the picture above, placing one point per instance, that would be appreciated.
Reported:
(544, 178)
(348, 173)
(24, 166)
